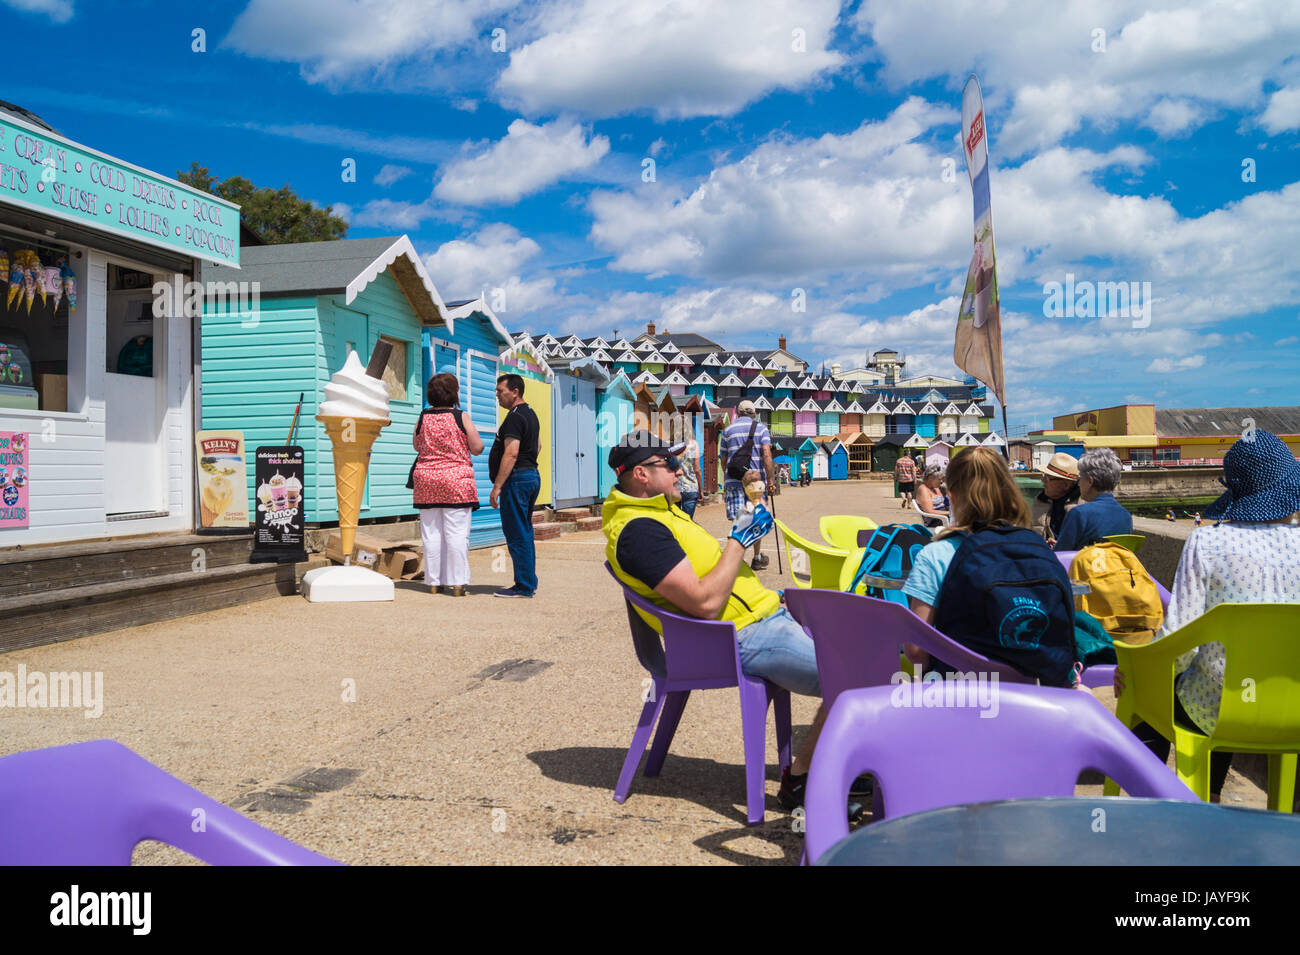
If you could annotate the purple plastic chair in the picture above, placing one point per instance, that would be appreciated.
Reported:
(1103, 674)
(928, 757)
(91, 803)
(699, 655)
(858, 640)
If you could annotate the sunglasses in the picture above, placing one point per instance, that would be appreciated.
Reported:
(672, 463)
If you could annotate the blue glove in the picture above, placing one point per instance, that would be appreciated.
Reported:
(749, 528)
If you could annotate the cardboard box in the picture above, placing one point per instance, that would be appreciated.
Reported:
(53, 390)
(398, 563)
(366, 550)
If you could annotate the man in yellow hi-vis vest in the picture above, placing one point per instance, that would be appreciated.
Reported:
(665, 557)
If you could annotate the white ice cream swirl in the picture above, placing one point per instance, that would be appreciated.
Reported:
(352, 393)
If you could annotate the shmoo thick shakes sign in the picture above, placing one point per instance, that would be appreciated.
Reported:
(280, 534)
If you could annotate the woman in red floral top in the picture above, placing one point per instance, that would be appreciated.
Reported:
(445, 491)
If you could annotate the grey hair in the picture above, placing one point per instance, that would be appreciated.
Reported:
(933, 471)
(1101, 466)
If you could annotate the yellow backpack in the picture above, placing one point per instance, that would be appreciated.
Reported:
(1123, 597)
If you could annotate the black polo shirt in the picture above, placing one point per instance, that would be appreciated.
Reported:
(521, 423)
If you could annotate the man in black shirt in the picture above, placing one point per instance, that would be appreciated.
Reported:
(512, 468)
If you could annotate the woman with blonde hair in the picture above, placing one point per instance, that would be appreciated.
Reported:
(1007, 595)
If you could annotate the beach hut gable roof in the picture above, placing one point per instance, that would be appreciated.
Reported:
(834, 406)
(951, 408)
(646, 378)
(571, 341)
(752, 363)
(621, 344)
(731, 381)
(731, 361)
(787, 382)
(675, 378)
(810, 405)
(854, 408)
(590, 370)
(762, 404)
(478, 306)
(903, 408)
(915, 441)
(703, 378)
(711, 359)
(994, 440)
(787, 405)
(621, 385)
(628, 356)
(967, 441)
(877, 408)
(758, 381)
(973, 410)
(928, 408)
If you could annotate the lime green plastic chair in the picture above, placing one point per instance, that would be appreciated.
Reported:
(841, 530)
(824, 564)
(1259, 711)
(1133, 542)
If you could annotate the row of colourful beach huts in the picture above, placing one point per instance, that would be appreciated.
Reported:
(320, 300)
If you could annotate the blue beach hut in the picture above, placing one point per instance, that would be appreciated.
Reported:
(837, 460)
(467, 347)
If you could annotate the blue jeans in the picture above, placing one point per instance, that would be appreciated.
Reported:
(518, 495)
(689, 500)
(777, 649)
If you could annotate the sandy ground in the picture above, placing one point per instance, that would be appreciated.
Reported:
(444, 730)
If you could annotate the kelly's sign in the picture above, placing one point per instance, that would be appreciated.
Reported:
(59, 178)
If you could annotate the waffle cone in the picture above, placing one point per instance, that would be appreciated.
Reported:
(351, 462)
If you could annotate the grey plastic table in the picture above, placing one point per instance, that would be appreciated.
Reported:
(1076, 831)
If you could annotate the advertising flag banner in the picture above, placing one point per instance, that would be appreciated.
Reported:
(280, 535)
(223, 481)
(13, 479)
(978, 346)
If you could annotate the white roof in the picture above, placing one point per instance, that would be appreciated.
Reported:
(974, 409)
(834, 406)
(967, 440)
(951, 408)
(787, 405)
(877, 408)
(752, 362)
(916, 441)
(710, 359)
(481, 307)
(758, 381)
(645, 378)
(787, 382)
(810, 405)
(903, 408)
(675, 378)
(994, 440)
(854, 408)
(629, 356)
(731, 381)
(761, 402)
(928, 409)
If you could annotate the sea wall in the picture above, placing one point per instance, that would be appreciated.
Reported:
(1147, 483)
(1163, 546)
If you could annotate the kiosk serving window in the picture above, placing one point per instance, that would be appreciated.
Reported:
(36, 293)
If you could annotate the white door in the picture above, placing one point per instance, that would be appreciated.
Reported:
(819, 466)
(133, 440)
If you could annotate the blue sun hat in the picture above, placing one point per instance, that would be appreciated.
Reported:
(1263, 481)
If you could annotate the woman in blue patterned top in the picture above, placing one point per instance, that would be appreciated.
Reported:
(1252, 555)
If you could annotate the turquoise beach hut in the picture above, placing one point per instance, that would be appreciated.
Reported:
(318, 301)
(615, 404)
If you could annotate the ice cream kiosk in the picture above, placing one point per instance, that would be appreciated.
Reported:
(97, 353)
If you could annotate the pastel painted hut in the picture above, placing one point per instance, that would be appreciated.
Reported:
(467, 347)
(850, 419)
(805, 419)
(837, 460)
(575, 453)
(938, 454)
(828, 418)
(615, 403)
(820, 461)
(524, 361)
(783, 418)
(319, 301)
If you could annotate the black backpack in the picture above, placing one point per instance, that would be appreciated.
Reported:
(1006, 596)
(739, 462)
(890, 553)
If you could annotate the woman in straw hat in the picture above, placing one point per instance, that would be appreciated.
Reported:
(1251, 555)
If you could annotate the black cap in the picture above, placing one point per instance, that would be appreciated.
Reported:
(637, 446)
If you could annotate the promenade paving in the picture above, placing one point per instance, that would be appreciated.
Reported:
(438, 730)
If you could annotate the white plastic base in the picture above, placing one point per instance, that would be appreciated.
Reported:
(345, 585)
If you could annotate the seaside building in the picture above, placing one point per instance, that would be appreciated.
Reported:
(1142, 435)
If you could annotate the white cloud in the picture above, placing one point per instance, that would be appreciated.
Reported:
(1173, 117)
(343, 210)
(390, 174)
(1283, 113)
(528, 159)
(1045, 60)
(59, 11)
(333, 39)
(657, 147)
(1283, 342)
(465, 104)
(1167, 365)
(676, 59)
(488, 260)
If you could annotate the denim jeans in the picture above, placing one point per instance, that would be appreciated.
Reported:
(777, 649)
(518, 495)
(689, 500)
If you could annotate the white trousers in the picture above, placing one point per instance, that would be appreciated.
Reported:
(445, 533)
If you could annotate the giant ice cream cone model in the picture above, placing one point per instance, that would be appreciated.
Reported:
(354, 411)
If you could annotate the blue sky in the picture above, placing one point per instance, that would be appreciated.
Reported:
(796, 145)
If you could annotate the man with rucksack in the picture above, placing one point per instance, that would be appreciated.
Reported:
(746, 445)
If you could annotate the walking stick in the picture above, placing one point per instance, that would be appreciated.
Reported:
(778, 533)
